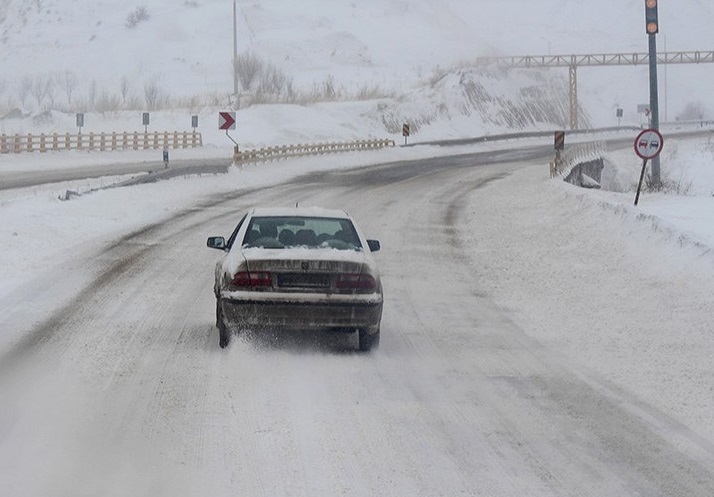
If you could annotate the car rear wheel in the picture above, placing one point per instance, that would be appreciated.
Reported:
(367, 340)
(224, 333)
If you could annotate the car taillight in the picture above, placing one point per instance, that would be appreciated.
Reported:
(246, 279)
(359, 282)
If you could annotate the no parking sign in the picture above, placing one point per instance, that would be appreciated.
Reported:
(648, 145)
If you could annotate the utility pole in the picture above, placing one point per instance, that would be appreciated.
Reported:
(652, 26)
(235, 53)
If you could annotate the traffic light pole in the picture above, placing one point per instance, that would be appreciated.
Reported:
(654, 104)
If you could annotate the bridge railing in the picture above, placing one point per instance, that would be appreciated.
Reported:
(285, 151)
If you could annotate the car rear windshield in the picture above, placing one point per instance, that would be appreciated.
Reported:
(295, 231)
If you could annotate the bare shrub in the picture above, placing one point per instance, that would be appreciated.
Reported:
(93, 94)
(136, 17)
(107, 102)
(152, 93)
(328, 88)
(247, 67)
(24, 88)
(124, 89)
(133, 102)
(273, 81)
(69, 84)
(39, 88)
(373, 92)
(154, 96)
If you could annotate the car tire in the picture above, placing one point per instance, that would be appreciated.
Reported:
(368, 341)
(224, 334)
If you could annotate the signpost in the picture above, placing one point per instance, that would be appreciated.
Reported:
(652, 28)
(406, 132)
(227, 121)
(145, 121)
(80, 121)
(648, 145)
(194, 123)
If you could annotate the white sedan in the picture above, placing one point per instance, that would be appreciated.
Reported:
(298, 269)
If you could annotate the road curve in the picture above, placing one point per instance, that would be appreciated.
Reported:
(124, 391)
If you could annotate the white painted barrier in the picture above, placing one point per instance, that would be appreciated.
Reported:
(15, 144)
(285, 151)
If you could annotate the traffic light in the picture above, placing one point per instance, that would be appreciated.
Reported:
(651, 17)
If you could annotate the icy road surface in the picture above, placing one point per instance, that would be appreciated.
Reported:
(124, 390)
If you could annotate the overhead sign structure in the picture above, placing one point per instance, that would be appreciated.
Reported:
(648, 145)
(226, 120)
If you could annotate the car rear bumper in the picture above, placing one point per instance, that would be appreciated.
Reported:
(253, 313)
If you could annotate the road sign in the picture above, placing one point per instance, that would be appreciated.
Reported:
(194, 122)
(559, 140)
(405, 130)
(648, 144)
(80, 119)
(226, 120)
(145, 119)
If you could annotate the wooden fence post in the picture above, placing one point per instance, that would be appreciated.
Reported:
(3, 144)
(43, 143)
(55, 141)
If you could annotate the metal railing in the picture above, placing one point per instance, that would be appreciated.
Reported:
(576, 155)
(17, 143)
(285, 151)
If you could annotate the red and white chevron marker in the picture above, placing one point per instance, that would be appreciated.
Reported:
(226, 120)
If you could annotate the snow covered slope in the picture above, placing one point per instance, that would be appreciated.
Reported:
(113, 50)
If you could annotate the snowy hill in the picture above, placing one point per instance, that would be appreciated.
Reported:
(107, 56)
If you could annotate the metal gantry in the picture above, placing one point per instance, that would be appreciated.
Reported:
(572, 62)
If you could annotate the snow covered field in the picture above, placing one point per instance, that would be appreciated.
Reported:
(619, 291)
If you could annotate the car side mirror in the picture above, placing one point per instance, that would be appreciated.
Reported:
(216, 242)
(374, 245)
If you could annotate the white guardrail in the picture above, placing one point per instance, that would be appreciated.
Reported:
(575, 155)
(285, 151)
(15, 144)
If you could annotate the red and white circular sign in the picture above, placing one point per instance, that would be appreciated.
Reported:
(649, 144)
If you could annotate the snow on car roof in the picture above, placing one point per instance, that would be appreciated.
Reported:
(299, 211)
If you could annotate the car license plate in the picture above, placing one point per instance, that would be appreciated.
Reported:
(300, 280)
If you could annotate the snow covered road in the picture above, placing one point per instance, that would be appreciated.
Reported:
(124, 391)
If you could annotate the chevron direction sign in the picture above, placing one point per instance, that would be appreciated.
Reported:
(226, 120)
